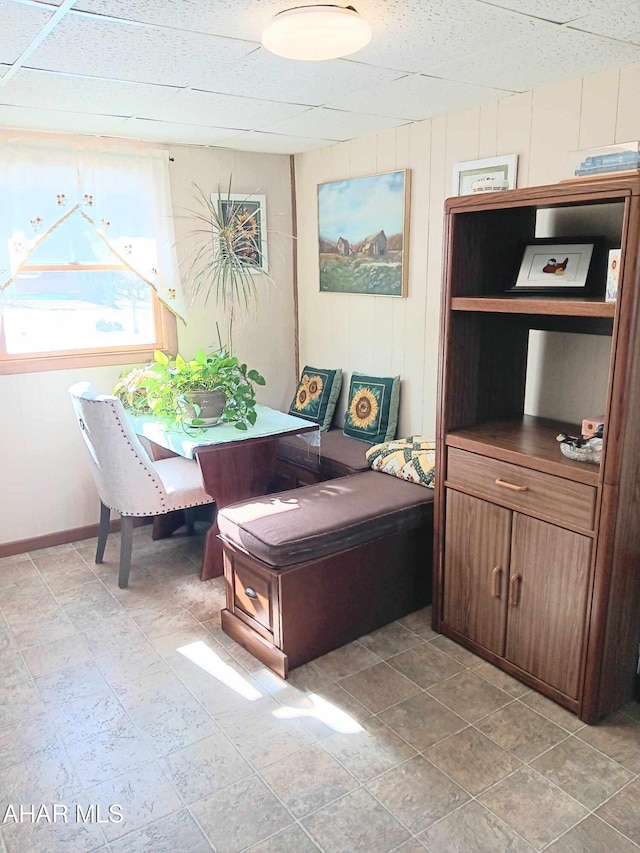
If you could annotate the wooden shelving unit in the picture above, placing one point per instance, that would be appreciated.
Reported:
(537, 560)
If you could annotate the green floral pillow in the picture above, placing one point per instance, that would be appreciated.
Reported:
(316, 396)
(372, 408)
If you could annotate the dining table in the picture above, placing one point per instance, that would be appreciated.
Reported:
(235, 464)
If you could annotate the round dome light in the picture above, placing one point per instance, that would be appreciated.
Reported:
(313, 33)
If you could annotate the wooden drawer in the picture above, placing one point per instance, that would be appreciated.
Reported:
(561, 501)
(253, 597)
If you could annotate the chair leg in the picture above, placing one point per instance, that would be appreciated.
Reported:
(126, 544)
(103, 532)
(190, 520)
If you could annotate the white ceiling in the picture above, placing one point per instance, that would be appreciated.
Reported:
(193, 71)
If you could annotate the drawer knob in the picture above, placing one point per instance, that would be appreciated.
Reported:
(511, 486)
(251, 593)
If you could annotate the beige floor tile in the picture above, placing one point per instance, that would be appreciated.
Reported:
(587, 775)
(88, 716)
(455, 650)
(425, 665)
(25, 738)
(417, 793)
(472, 760)
(122, 665)
(632, 709)
(469, 695)
(91, 603)
(19, 696)
(347, 660)
(411, 846)
(308, 678)
(623, 813)
(46, 777)
(144, 795)
(201, 768)
(521, 731)
(241, 815)
(108, 754)
(533, 807)
(309, 780)
(171, 834)
(391, 640)
(23, 588)
(552, 711)
(293, 839)
(592, 836)
(57, 559)
(37, 621)
(618, 736)
(7, 640)
(168, 716)
(472, 829)
(44, 837)
(379, 686)
(329, 711)
(420, 623)
(355, 824)
(120, 633)
(67, 583)
(264, 739)
(42, 660)
(422, 721)
(71, 683)
(501, 679)
(370, 752)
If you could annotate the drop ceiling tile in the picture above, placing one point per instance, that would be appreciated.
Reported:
(263, 75)
(273, 143)
(563, 54)
(559, 11)
(338, 125)
(417, 97)
(412, 35)
(20, 25)
(96, 48)
(243, 19)
(81, 94)
(164, 131)
(69, 122)
(207, 108)
(624, 26)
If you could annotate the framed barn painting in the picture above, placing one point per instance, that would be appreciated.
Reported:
(363, 231)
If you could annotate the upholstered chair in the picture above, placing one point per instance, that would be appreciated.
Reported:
(128, 481)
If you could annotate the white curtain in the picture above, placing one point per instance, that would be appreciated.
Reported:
(120, 191)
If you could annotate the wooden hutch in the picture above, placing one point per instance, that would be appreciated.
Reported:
(537, 557)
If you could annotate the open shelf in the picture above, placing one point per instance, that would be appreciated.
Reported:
(559, 306)
(528, 441)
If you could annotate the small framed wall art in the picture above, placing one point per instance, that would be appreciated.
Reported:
(561, 266)
(488, 175)
(248, 215)
(363, 232)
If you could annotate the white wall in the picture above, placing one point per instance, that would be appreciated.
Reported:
(45, 480)
(386, 336)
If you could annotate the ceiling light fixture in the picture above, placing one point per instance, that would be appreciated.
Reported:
(313, 33)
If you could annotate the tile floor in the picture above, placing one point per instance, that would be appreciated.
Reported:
(401, 741)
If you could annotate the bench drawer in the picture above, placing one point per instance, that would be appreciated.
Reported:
(253, 597)
(562, 501)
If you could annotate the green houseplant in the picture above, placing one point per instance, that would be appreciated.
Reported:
(166, 388)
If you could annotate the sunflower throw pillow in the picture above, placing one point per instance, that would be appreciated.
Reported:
(412, 458)
(372, 408)
(316, 395)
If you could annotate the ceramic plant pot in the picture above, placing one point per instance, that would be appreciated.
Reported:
(205, 406)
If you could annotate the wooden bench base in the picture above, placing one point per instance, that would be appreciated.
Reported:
(286, 617)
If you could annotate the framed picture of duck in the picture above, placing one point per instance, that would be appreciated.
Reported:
(562, 266)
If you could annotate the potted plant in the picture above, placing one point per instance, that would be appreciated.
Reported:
(180, 391)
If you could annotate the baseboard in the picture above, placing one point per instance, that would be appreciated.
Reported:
(60, 537)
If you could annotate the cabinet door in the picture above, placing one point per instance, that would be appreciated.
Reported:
(547, 601)
(476, 566)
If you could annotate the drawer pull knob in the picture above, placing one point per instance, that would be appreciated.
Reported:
(251, 593)
(496, 582)
(514, 590)
(511, 486)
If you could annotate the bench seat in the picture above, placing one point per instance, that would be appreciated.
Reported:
(298, 463)
(311, 569)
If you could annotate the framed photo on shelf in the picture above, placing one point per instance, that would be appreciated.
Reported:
(488, 175)
(248, 215)
(561, 266)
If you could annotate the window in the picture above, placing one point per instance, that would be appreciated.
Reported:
(88, 273)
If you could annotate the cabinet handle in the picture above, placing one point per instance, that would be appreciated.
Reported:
(496, 582)
(251, 593)
(514, 590)
(511, 486)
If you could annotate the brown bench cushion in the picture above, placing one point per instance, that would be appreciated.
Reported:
(338, 456)
(314, 521)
